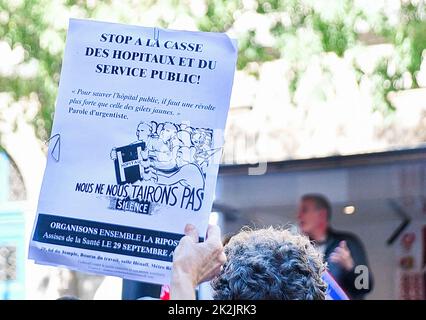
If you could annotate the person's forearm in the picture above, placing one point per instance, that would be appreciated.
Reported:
(182, 286)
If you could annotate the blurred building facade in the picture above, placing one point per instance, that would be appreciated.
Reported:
(385, 191)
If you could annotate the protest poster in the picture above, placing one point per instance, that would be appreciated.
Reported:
(135, 148)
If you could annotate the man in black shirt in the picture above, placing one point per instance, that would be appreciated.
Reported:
(343, 252)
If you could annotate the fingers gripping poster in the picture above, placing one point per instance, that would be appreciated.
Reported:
(136, 142)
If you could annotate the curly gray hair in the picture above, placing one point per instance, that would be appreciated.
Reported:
(270, 264)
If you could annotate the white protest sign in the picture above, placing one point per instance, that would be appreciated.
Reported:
(137, 138)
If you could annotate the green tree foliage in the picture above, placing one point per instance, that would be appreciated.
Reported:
(301, 29)
(21, 26)
(30, 25)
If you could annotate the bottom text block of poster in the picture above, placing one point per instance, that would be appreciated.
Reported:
(96, 247)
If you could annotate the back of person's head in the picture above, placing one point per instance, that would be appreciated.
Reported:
(270, 264)
(68, 298)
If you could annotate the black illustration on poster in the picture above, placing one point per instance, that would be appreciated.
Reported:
(166, 154)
